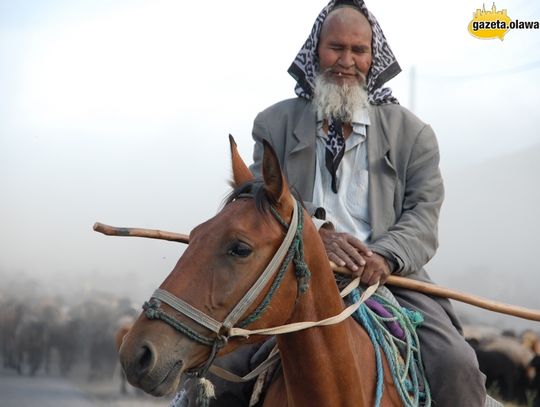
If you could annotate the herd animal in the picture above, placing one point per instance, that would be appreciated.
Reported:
(45, 336)
(510, 361)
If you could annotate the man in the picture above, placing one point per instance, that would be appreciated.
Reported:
(353, 152)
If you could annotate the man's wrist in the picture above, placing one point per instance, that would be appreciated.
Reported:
(393, 264)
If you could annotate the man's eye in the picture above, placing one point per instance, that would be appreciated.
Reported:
(360, 50)
(239, 249)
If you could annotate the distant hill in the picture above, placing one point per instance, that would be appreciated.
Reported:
(489, 232)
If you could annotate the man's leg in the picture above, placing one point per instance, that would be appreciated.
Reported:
(450, 363)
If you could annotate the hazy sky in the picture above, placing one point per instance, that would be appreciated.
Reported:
(119, 111)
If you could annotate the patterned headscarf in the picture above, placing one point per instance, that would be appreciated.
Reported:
(383, 68)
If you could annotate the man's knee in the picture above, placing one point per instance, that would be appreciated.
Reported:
(454, 376)
(456, 362)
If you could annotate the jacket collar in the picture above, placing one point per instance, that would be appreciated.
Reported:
(305, 131)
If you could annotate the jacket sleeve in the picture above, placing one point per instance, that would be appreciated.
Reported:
(412, 241)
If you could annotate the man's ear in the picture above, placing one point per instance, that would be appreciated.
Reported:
(241, 172)
(275, 184)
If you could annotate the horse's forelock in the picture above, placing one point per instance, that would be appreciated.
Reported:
(253, 189)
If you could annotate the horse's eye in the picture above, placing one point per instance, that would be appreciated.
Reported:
(239, 249)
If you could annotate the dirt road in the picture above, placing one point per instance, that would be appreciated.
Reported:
(51, 391)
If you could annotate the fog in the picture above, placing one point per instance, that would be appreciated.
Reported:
(489, 235)
(120, 114)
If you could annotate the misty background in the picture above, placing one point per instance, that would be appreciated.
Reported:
(119, 112)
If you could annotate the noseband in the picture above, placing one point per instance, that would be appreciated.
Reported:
(290, 248)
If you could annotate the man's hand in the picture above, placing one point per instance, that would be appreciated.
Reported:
(376, 269)
(344, 249)
(347, 251)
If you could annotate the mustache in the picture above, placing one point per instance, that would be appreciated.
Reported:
(332, 70)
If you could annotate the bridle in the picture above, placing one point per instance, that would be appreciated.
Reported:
(225, 330)
(291, 248)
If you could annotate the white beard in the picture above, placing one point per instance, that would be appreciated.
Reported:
(338, 101)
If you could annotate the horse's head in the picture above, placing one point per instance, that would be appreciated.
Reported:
(181, 328)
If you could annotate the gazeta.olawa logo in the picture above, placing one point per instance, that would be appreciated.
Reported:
(495, 23)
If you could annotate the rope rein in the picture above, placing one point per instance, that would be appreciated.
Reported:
(301, 269)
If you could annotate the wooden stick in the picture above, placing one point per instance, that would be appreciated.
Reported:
(439, 291)
(138, 232)
(396, 281)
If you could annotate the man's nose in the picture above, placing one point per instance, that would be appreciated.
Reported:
(346, 59)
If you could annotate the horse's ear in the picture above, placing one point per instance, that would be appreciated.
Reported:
(241, 172)
(275, 184)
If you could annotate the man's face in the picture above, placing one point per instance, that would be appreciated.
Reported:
(345, 46)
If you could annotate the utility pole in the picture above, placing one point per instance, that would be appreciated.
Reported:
(412, 89)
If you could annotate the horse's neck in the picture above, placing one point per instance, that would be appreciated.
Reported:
(320, 363)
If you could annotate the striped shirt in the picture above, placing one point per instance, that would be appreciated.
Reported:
(348, 208)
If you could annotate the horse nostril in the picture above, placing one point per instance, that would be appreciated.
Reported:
(145, 358)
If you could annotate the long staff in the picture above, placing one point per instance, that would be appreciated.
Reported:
(396, 281)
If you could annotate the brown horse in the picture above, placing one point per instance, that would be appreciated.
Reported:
(322, 366)
(124, 327)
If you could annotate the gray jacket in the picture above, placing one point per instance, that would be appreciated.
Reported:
(405, 185)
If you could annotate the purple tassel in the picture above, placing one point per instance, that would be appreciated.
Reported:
(394, 328)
